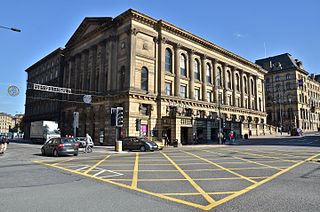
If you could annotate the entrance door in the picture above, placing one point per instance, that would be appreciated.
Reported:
(184, 135)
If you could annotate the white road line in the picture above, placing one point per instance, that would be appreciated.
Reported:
(115, 174)
(84, 167)
(100, 172)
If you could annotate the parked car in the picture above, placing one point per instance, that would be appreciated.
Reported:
(82, 142)
(136, 143)
(160, 144)
(60, 146)
(296, 132)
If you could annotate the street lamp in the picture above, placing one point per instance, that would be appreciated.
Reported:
(219, 106)
(11, 28)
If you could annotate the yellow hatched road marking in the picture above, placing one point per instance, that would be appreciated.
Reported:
(97, 164)
(250, 161)
(264, 156)
(191, 181)
(191, 194)
(228, 198)
(128, 187)
(277, 153)
(221, 167)
(135, 172)
(184, 179)
(63, 161)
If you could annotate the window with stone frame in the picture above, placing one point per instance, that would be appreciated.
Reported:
(237, 82)
(245, 85)
(168, 60)
(197, 93)
(209, 96)
(288, 76)
(183, 65)
(168, 88)
(183, 91)
(144, 109)
(144, 79)
(208, 73)
(228, 80)
(252, 87)
(196, 69)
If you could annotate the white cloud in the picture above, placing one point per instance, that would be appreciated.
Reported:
(238, 35)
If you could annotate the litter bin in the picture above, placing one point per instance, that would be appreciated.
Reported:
(246, 136)
(118, 146)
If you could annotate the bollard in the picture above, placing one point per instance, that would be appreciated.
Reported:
(118, 146)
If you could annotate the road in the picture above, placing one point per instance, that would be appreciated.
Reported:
(269, 174)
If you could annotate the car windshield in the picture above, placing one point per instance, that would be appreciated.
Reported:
(67, 140)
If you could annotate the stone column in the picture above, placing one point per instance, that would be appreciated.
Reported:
(204, 78)
(215, 81)
(109, 62)
(132, 33)
(78, 71)
(256, 93)
(224, 84)
(177, 70)
(250, 89)
(191, 75)
(161, 60)
(233, 86)
(263, 97)
(242, 87)
(102, 68)
(92, 67)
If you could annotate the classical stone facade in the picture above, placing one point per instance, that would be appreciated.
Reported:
(292, 94)
(42, 105)
(164, 76)
(6, 123)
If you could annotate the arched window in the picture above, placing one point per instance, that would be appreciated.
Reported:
(260, 106)
(252, 87)
(168, 59)
(144, 78)
(196, 70)
(228, 80)
(245, 85)
(208, 71)
(183, 65)
(238, 82)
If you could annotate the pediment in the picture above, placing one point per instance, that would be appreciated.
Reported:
(88, 26)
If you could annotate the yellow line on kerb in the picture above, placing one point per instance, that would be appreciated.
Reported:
(191, 181)
(97, 164)
(195, 205)
(228, 198)
(221, 167)
(135, 172)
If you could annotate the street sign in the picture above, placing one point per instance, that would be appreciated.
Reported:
(76, 119)
(53, 89)
(87, 99)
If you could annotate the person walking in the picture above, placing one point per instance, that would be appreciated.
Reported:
(232, 137)
(88, 143)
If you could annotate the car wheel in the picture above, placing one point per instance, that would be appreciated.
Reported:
(75, 154)
(43, 152)
(142, 148)
(55, 153)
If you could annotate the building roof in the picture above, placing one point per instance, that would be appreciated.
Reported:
(281, 62)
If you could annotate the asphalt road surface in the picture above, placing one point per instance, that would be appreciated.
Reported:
(269, 174)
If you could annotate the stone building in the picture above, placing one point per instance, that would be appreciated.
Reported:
(292, 95)
(42, 105)
(6, 123)
(160, 74)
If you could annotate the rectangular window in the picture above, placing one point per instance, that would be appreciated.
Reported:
(209, 98)
(197, 94)
(183, 91)
(168, 88)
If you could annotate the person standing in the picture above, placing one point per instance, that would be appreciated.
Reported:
(232, 137)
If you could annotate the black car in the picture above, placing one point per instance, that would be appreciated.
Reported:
(135, 143)
(60, 146)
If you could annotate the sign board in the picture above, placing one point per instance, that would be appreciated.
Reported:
(87, 99)
(13, 90)
(53, 89)
(76, 119)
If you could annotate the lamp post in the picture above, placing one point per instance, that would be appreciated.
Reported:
(11, 28)
(219, 106)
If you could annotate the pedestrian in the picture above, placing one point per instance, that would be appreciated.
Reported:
(88, 142)
(3, 144)
(166, 141)
(232, 137)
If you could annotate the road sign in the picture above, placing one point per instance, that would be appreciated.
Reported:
(53, 89)
(13, 90)
(87, 99)
(76, 119)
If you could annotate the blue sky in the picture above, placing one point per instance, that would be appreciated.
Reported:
(247, 28)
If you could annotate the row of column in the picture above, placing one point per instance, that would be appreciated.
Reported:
(216, 68)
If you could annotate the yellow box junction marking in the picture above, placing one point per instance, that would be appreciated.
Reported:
(168, 196)
(135, 172)
(191, 181)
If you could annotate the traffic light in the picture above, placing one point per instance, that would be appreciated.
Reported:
(113, 117)
(224, 124)
(138, 124)
(119, 121)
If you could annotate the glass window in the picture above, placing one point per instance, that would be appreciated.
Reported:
(252, 87)
(209, 98)
(197, 93)
(277, 78)
(168, 88)
(245, 84)
(196, 70)
(183, 91)
(238, 82)
(144, 78)
(168, 59)
(208, 75)
(183, 65)
(288, 76)
(228, 80)
(219, 81)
